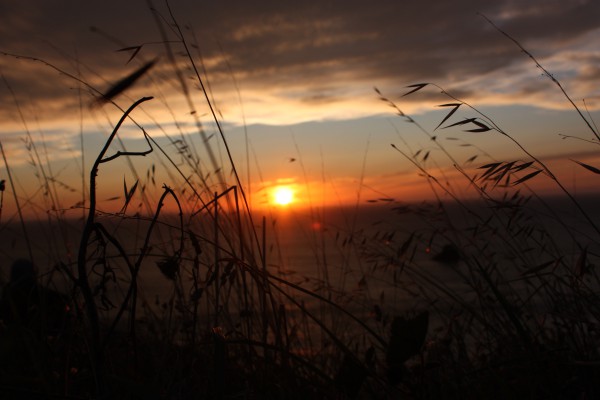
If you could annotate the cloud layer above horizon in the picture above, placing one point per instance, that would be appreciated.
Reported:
(298, 61)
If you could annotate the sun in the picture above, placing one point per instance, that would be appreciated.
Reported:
(283, 195)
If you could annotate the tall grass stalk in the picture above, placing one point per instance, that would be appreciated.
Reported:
(83, 280)
(16, 198)
(478, 299)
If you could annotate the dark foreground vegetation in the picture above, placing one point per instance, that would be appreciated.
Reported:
(513, 314)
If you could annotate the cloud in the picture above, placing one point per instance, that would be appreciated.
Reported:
(309, 58)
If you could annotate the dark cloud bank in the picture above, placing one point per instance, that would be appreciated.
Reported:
(309, 43)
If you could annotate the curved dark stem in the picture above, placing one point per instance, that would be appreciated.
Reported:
(84, 284)
(545, 168)
(548, 74)
(101, 230)
(132, 291)
(215, 119)
(342, 310)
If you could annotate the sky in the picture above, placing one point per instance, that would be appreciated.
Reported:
(292, 86)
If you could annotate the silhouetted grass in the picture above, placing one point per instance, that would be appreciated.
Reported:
(495, 304)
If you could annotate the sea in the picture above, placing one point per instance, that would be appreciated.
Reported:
(375, 261)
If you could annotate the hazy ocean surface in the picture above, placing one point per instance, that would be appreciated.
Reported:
(358, 257)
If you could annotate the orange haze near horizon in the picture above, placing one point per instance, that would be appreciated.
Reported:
(284, 96)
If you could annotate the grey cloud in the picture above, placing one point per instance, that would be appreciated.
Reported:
(551, 20)
(319, 98)
(591, 74)
(309, 43)
(396, 38)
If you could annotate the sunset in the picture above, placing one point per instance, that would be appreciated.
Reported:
(283, 195)
(339, 199)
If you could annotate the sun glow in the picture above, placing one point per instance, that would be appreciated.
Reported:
(283, 195)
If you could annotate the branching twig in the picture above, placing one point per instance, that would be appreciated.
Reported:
(84, 284)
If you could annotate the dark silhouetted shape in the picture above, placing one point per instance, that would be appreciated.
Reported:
(449, 254)
(126, 82)
(406, 340)
(351, 376)
(27, 304)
